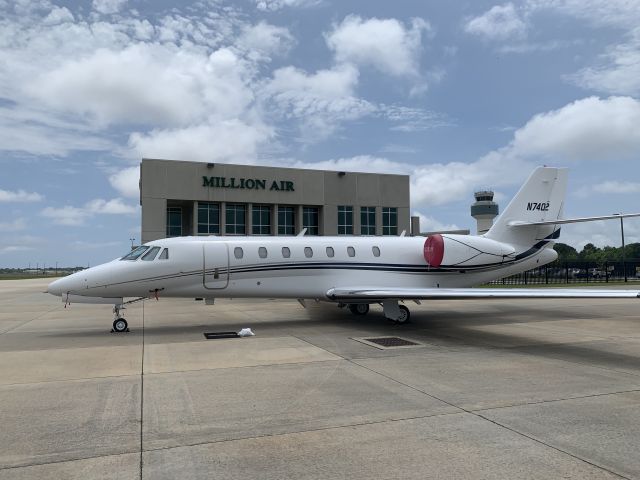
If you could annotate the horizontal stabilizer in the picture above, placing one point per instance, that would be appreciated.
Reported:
(473, 293)
(572, 220)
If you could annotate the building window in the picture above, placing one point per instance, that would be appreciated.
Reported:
(389, 221)
(262, 252)
(238, 253)
(351, 251)
(308, 252)
(208, 218)
(330, 252)
(236, 219)
(286, 222)
(376, 251)
(310, 220)
(261, 220)
(286, 253)
(367, 220)
(174, 221)
(345, 220)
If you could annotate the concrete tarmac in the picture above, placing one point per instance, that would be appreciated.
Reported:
(495, 389)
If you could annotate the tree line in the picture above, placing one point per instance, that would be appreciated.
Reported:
(591, 253)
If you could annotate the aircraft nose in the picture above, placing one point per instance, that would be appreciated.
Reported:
(56, 287)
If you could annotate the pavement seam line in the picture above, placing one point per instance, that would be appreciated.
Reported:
(542, 402)
(478, 415)
(548, 445)
(79, 459)
(311, 430)
(142, 394)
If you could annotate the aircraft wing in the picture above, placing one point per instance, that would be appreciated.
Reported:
(376, 294)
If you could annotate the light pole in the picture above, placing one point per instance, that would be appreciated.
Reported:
(624, 265)
(132, 240)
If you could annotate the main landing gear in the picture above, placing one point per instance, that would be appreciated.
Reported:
(392, 311)
(120, 325)
(359, 308)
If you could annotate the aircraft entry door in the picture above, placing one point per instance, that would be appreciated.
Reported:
(215, 264)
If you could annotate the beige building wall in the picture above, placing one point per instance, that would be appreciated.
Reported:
(176, 183)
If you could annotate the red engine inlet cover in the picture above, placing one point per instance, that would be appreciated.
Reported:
(434, 250)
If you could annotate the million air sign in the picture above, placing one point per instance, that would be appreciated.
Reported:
(248, 184)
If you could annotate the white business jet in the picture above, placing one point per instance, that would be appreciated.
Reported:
(349, 270)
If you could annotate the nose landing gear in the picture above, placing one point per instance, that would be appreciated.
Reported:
(120, 325)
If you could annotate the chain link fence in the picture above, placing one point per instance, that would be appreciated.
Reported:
(576, 272)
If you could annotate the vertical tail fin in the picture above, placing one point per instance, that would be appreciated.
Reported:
(540, 199)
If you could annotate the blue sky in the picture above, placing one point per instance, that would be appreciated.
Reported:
(460, 95)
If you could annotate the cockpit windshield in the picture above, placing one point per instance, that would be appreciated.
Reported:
(135, 254)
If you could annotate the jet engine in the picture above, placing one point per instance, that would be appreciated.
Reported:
(455, 251)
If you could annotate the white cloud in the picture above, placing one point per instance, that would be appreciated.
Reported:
(114, 206)
(264, 40)
(435, 184)
(618, 70)
(614, 186)
(13, 226)
(19, 196)
(147, 84)
(409, 119)
(501, 22)
(225, 140)
(602, 13)
(74, 216)
(430, 224)
(126, 182)
(108, 6)
(385, 44)
(587, 129)
(321, 101)
(273, 5)
(67, 215)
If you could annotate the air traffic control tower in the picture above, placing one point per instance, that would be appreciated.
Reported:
(484, 210)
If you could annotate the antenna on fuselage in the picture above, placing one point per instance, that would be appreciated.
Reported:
(404, 232)
(302, 232)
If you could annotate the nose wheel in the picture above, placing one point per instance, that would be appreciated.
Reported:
(120, 325)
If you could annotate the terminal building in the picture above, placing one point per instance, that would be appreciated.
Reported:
(192, 198)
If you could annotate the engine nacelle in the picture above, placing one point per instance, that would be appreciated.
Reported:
(465, 251)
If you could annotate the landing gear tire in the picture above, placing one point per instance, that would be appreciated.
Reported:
(359, 308)
(120, 325)
(405, 314)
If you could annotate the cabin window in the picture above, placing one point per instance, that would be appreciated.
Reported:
(351, 251)
(308, 252)
(376, 251)
(135, 254)
(238, 253)
(286, 253)
(262, 252)
(164, 255)
(151, 254)
(330, 252)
